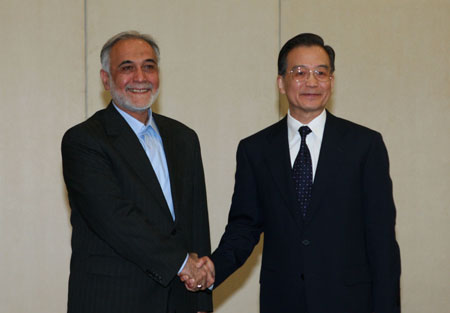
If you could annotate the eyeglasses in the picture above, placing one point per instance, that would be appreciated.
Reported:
(301, 73)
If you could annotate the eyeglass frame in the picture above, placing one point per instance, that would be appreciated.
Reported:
(314, 71)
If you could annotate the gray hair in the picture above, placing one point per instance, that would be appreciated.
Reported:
(132, 34)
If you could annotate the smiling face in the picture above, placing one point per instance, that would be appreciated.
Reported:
(134, 76)
(307, 99)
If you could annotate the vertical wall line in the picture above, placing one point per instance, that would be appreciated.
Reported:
(85, 63)
(279, 47)
(279, 25)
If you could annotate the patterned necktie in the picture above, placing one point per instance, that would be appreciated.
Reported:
(302, 172)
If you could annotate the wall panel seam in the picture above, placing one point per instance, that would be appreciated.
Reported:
(85, 63)
(279, 47)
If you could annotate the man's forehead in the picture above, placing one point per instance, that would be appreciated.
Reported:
(308, 55)
(132, 48)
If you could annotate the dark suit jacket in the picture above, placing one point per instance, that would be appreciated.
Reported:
(343, 258)
(126, 249)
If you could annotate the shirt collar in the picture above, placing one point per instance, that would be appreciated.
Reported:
(317, 125)
(137, 126)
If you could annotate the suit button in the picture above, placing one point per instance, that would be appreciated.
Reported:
(173, 232)
(306, 242)
(302, 276)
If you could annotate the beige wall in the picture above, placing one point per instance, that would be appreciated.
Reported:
(218, 73)
(42, 94)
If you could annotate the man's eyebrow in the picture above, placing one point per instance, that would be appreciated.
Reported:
(302, 65)
(125, 62)
(151, 60)
(130, 62)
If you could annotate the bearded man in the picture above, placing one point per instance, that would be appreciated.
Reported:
(136, 189)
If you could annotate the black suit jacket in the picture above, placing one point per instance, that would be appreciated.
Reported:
(343, 257)
(126, 249)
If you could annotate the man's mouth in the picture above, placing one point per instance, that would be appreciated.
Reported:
(310, 94)
(138, 90)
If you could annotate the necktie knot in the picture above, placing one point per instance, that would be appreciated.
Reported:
(304, 131)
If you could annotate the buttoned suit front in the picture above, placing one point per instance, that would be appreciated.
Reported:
(343, 256)
(126, 248)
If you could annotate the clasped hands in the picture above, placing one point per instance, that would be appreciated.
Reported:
(198, 273)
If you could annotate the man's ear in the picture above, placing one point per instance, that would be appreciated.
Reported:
(332, 82)
(105, 79)
(280, 81)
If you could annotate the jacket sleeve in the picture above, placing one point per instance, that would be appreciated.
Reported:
(380, 215)
(244, 227)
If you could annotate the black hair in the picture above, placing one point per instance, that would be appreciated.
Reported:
(307, 40)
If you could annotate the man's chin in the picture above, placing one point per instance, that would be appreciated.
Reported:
(135, 108)
(129, 105)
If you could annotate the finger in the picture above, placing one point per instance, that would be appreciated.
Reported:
(191, 283)
(210, 279)
(202, 261)
(184, 278)
(189, 288)
(193, 256)
(209, 264)
(200, 287)
(201, 280)
(209, 267)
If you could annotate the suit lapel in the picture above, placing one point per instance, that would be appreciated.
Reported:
(329, 158)
(278, 160)
(173, 160)
(124, 140)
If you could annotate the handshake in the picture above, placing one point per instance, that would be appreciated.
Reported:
(198, 273)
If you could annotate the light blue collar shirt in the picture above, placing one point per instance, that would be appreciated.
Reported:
(151, 141)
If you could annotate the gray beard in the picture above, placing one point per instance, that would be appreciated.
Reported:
(124, 102)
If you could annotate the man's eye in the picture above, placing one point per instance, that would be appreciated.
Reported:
(149, 67)
(127, 68)
(300, 73)
(321, 73)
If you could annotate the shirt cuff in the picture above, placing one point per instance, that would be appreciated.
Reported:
(184, 264)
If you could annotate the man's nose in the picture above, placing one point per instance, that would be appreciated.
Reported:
(139, 75)
(311, 80)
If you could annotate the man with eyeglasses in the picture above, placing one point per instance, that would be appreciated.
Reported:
(318, 187)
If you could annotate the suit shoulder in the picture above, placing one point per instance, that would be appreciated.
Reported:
(172, 123)
(280, 126)
(90, 126)
(352, 127)
(184, 137)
